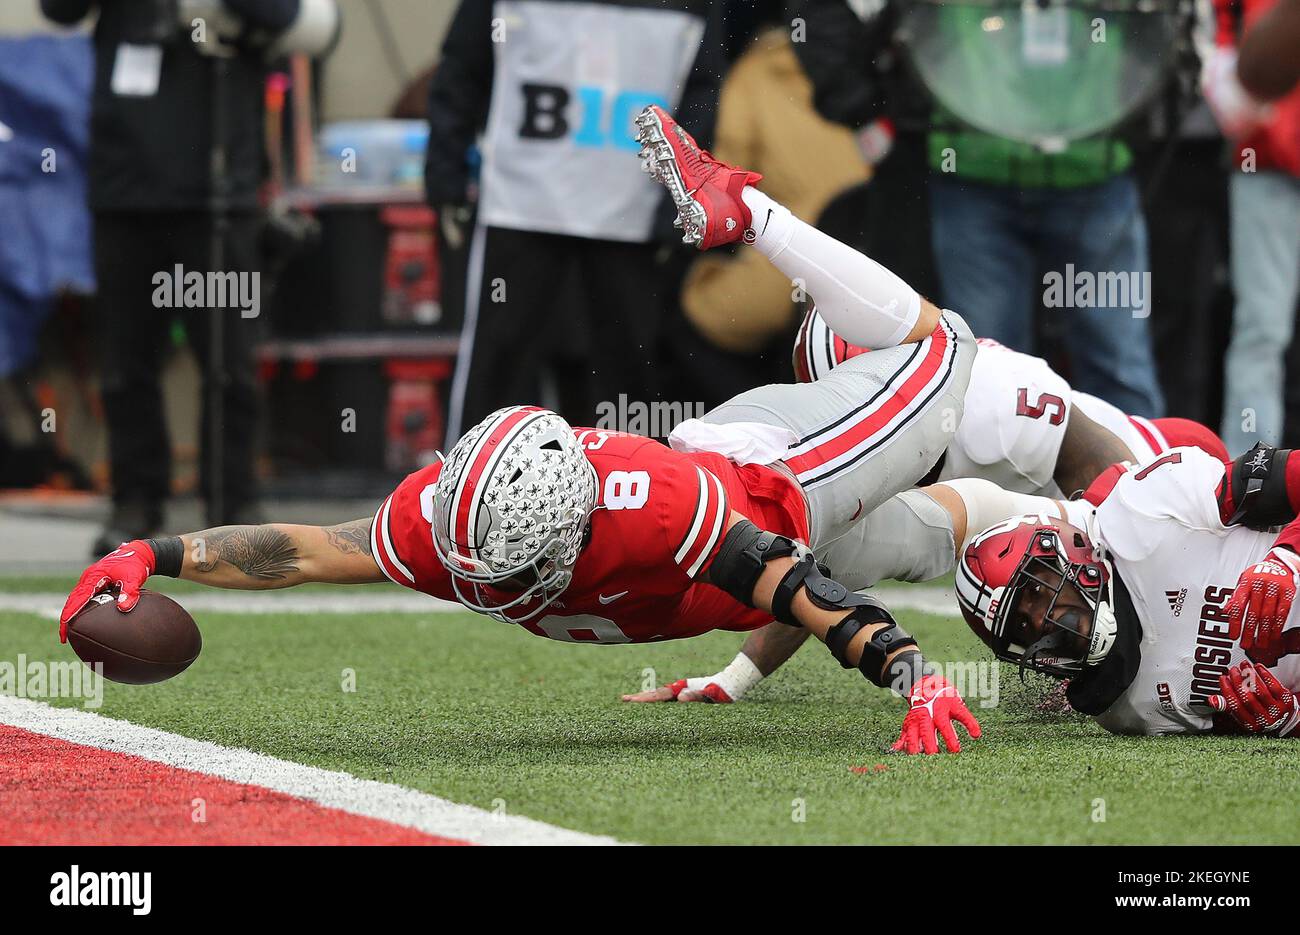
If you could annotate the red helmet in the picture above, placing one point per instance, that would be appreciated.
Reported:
(818, 350)
(1009, 580)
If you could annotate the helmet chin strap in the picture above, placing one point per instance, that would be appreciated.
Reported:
(1052, 644)
(1104, 629)
(1092, 529)
(1104, 625)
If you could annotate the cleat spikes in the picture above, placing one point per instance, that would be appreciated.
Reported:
(697, 183)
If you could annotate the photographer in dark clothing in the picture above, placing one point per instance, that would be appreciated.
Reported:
(571, 241)
(176, 159)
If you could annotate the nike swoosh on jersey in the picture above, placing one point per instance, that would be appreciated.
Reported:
(611, 599)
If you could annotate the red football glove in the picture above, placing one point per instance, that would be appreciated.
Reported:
(1257, 701)
(1262, 599)
(126, 569)
(934, 704)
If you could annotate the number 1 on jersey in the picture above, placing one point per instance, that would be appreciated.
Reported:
(1173, 457)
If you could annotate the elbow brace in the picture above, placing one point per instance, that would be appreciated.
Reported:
(745, 552)
(1255, 484)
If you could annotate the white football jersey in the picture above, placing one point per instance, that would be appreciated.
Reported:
(1180, 564)
(1017, 411)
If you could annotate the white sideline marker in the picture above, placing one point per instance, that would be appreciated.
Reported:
(343, 791)
(930, 599)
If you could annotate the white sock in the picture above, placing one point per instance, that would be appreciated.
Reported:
(862, 302)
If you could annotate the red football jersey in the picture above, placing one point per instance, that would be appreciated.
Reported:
(658, 525)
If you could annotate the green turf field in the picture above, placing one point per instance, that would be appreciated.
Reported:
(481, 713)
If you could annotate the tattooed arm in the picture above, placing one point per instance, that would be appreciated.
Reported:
(276, 555)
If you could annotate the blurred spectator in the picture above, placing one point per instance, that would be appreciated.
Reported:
(766, 122)
(45, 258)
(1179, 161)
(863, 87)
(160, 70)
(554, 89)
(739, 310)
(45, 86)
(1264, 208)
(745, 19)
(1004, 212)
(1270, 52)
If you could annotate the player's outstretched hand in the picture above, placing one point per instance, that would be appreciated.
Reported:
(1263, 597)
(934, 705)
(126, 568)
(704, 689)
(1256, 701)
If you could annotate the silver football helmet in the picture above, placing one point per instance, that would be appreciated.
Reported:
(510, 511)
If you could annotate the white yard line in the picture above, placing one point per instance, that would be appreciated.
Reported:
(396, 804)
(923, 598)
(407, 807)
(49, 605)
(928, 599)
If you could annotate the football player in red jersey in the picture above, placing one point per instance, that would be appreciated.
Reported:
(1024, 428)
(591, 536)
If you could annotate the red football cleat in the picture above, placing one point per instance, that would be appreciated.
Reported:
(710, 211)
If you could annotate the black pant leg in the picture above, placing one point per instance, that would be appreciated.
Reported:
(130, 336)
(519, 276)
(240, 392)
(628, 293)
(1187, 219)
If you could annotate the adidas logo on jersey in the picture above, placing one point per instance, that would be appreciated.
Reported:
(1176, 599)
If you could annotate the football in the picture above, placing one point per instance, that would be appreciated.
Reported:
(155, 641)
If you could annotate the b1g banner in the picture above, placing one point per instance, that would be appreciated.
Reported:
(559, 151)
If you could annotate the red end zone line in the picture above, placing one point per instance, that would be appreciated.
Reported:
(72, 776)
(56, 792)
